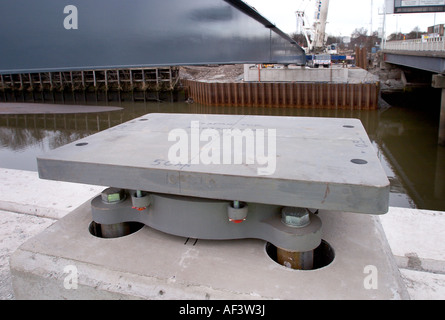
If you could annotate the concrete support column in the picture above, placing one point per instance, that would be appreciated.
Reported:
(439, 82)
(439, 183)
(442, 120)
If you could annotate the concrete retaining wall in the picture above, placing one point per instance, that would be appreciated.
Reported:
(300, 74)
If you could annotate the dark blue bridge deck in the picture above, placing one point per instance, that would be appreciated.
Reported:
(49, 35)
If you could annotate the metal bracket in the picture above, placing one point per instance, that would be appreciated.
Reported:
(211, 219)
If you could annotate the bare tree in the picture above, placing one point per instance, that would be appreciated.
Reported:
(360, 38)
(415, 34)
(300, 39)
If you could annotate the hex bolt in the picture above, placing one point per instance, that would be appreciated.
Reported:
(113, 195)
(295, 217)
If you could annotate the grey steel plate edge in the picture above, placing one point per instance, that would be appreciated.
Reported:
(322, 163)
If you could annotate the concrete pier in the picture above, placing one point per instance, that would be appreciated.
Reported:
(442, 120)
(439, 82)
(29, 205)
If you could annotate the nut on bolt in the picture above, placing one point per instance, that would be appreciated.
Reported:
(237, 211)
(295, 217)
(113, 195)
(140, 200)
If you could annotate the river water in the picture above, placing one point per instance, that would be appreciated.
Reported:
(404, 135)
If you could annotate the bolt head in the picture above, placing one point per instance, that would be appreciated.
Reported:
(295, 217)
(113, 195)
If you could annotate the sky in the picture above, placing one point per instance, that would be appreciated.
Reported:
(344, 16)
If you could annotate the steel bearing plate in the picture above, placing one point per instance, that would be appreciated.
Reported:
(322, 163)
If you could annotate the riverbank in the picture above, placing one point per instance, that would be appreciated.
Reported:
(293, 86)
(29, 205)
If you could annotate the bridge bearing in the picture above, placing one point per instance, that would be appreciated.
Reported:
(211, 220)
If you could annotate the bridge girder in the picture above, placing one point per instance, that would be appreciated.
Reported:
(50, 35)
(431, 63)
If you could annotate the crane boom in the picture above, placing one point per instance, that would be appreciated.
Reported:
(303, 25)
(320, 24)
(316, 34)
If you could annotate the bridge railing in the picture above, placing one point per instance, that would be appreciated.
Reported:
(432, 44)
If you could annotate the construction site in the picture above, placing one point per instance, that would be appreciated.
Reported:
(329, 79)
(208, 150)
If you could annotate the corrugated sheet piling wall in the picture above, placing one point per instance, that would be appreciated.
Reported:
(356, 96)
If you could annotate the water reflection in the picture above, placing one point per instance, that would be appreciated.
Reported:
(405, 139)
